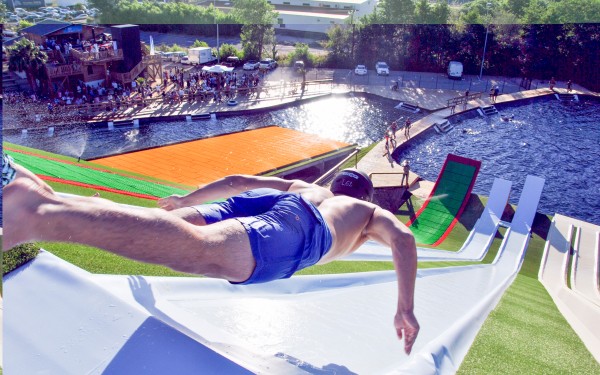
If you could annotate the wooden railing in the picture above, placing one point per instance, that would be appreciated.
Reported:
(129, 76)
(63, 70)
(108, 55)
(73, 113)
(152, 58)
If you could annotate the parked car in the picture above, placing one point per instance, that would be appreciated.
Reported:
(81, 17)
(360, 70)
(251, 65)
(267, 64)
(299, 65)
(232, 61)
(382, 69)
(185, 60)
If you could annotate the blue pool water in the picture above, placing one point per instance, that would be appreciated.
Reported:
(557, 141)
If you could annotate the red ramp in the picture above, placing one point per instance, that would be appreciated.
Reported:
(447, 200)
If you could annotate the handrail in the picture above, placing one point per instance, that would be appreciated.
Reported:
(394, 173)
(64, 69)
(89, 56)
(463, 99)
(327, 175)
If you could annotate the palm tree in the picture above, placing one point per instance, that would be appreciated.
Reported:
(26, 57)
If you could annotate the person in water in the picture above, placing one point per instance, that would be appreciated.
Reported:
(267, 228)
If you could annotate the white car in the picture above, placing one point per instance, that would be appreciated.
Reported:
(382, 69)
(185, 60)
(251, 65)
(360, 70)
(267, 64)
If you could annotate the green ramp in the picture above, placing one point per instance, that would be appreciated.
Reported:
(446, 202)
(88, 175)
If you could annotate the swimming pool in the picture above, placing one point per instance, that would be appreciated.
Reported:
(358, 119)
(555, 140)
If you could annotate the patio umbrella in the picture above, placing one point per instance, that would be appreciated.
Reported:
(217, 69)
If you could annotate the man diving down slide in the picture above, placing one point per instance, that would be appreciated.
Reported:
(266, 229)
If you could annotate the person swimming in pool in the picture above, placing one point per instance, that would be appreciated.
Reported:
(266, 229)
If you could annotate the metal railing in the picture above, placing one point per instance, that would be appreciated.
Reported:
(385, 173)
(463, 99)
(327, 176)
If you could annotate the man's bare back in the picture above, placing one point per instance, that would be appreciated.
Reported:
(221, 249)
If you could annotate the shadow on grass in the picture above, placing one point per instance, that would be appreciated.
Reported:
(472, 212)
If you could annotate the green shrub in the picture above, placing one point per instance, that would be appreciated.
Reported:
(18, 256)
(199, 43)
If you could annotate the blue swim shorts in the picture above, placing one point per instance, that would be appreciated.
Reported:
(286, 232)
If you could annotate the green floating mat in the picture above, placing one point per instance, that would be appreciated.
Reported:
(87, 175)
(447, 200)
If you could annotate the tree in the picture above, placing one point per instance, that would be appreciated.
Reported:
(23, 24)
(422, 12)
(396, 11)
(258, 17)
(227, 50)
(517, 6)
(301, 53)
(198, 43)
(2, 12)
(254, 12)
(339, 46)
(25, 56)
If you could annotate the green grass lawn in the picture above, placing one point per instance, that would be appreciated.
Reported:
(525, 334)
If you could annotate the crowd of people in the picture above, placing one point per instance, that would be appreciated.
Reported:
(177, 86)
(200, 85)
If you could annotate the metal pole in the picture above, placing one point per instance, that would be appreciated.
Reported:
(487, 28)
(218, 52)
(352, 50)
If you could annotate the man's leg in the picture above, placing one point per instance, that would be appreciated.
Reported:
(150, 235)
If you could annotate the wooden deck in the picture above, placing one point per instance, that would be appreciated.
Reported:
(249, 152)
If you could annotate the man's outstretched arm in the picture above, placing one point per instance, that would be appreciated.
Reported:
(227, 187)
(385, 228)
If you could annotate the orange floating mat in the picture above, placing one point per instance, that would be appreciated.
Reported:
(251, 152)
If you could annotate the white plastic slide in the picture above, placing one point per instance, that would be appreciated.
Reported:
(585, 272)
(578, 305)
(65, 320)
(476, 245)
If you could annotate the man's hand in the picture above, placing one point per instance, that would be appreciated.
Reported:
(170, 203)
(406, 325)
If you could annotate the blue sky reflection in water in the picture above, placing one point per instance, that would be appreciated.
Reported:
(557, 141)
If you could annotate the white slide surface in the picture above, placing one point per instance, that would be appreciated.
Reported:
(65, 320)
(578, 305)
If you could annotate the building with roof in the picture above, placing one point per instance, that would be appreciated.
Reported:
(60, 31)
(313, 16)
(90, 54)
